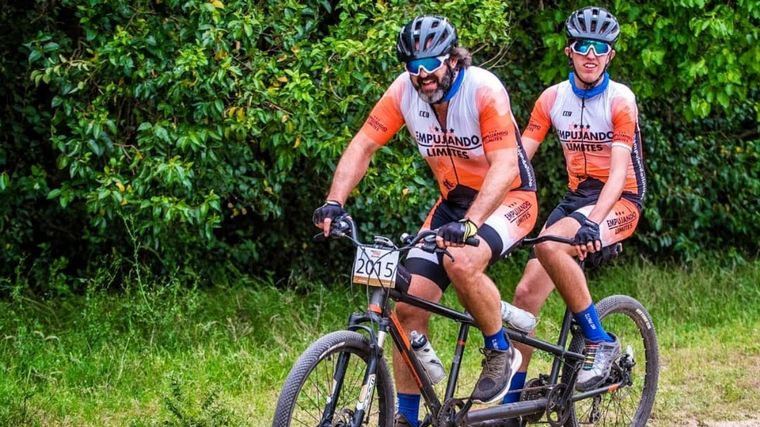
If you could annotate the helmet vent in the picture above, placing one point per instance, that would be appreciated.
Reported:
(425, 37)
(593, 23)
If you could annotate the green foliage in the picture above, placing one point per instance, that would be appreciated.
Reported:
(693, 67)
(188, 413)
(197, 136)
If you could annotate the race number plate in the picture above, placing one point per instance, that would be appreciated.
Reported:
(375, 267)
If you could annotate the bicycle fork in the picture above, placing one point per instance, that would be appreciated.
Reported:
(377, 340)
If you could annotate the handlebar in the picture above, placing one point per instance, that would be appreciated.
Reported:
(344, 226)
(428, 236)
(593, 259)
(531, 241)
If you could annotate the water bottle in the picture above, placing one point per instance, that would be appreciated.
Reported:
(427, 356)
(517, 317)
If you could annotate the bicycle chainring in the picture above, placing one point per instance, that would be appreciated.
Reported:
(534, 389)
(448, 414)
(557, 406)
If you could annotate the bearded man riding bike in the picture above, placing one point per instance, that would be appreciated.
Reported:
(460, 118)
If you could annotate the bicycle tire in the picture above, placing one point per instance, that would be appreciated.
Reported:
(612, 409)
(311, 378)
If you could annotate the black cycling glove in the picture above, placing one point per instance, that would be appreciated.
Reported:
(458, 231)
(331, 209)
(589, 232)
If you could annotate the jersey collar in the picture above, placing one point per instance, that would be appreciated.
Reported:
(589, 93)
(454, 86)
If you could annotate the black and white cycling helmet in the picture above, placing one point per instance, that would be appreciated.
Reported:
(593, 23)
(425, 37)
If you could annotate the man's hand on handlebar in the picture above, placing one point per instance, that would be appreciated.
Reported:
(456, 233)
(324, 215)
(587, 239)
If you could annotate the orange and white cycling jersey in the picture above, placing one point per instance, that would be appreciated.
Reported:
(479, 120)
(588, 129)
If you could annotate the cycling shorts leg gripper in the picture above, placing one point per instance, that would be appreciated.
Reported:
(429, 266)
(510, 223)
(578, 217)
(557, 214)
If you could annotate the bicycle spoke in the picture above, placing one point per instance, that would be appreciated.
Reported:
(629, 404)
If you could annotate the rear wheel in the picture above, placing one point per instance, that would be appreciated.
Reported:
(308, 397)
(638, 367)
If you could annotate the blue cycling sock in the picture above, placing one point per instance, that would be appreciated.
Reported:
(590, 325)
(518, 382)
(497, 341)
(409, 407)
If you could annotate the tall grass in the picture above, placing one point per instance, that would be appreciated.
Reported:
(177, 355)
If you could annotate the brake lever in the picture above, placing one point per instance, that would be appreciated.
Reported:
(447, 253)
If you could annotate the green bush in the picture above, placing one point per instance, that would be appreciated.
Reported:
(693, 67)
(198, 136)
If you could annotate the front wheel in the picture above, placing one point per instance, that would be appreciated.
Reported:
(638, 368)
(325, 386)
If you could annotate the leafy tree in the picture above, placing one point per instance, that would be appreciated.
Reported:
(197, 136)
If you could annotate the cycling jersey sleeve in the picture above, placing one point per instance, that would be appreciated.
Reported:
(624, 114)
(496, 122)
(386, 119)
(540, 118)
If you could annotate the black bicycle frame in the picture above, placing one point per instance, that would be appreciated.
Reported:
(380, 314)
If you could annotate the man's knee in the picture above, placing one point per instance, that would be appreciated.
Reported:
(533, 288)
(545, 250)
(463, 268)
(523, 293)
(410, 315)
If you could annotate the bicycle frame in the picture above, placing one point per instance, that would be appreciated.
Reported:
(380, 314)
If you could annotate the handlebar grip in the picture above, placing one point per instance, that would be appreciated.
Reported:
(472, 241)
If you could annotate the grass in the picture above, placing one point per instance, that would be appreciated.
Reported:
(183, 356)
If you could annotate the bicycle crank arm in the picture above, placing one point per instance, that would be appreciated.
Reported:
(591, 393)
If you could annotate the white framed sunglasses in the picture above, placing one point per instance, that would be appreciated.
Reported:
(430, 65)
(583, 47)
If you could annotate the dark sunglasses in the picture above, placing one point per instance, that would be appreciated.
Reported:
(430, 65)
(582, 47)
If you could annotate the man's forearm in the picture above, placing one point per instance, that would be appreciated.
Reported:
(351, 168)
(613, 188)
(610, 194)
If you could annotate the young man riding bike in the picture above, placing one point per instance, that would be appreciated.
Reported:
(461, 121)
(596, 120)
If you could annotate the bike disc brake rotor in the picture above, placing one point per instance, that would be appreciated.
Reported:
(343, 418)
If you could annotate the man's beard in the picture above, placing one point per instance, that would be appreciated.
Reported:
(441, 88)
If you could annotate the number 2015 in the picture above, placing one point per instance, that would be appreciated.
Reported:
(369, 267)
